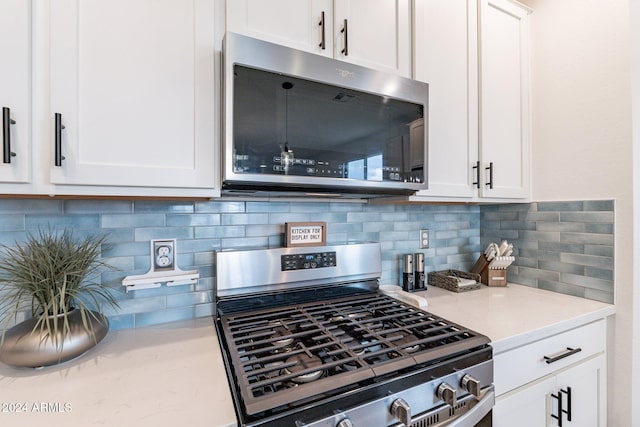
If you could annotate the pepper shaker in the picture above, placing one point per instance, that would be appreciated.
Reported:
(419, 281)
(408, 277)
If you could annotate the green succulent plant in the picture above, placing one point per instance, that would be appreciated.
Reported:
(51, 272)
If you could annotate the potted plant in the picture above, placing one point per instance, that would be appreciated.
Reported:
(51, 273)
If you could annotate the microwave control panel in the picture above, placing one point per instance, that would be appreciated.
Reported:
(307, 261)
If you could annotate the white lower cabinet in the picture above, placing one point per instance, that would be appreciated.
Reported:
(558, 381)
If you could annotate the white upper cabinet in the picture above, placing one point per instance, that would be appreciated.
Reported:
(15, 91)
(374, 33)
(133, 83)
(446, 57)
(294, 23)
(504, 99)
(377, 34)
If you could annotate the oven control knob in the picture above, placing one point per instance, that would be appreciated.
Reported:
(447, 393)
(402, 411)
(346, 422)
(472, 385)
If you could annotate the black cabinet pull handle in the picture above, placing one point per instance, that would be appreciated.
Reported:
(345, 30)
(323, 42)
(558, 415)
(490, 169)
(567, 353)
(7, 154)
(568, 411)
(58, 140)
(477, 181)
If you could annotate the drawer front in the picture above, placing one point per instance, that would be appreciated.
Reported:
(524, 364)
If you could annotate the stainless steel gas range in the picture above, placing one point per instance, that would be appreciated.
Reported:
(308, 340)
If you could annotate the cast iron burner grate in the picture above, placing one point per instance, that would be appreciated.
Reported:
(289, 354)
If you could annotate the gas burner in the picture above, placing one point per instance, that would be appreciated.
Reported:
(281, 336)
(303, 362)
(404, 341)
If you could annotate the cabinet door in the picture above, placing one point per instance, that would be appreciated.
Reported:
(504, 98)
(446, 57)
(133, 80)
(525, 407)
(15, 89)
(587, 382)
(293, 23)
(378, 34)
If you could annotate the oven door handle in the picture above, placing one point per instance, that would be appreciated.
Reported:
(478, 412)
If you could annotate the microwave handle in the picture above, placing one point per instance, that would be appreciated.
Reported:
(478, 412)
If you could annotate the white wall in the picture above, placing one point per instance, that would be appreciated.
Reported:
(581, 107)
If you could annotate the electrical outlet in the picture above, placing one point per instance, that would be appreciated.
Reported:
(163, 255)
(424, 239)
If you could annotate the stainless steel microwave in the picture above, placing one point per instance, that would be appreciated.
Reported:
(297, 123)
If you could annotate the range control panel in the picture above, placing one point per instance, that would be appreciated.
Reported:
(306, 261)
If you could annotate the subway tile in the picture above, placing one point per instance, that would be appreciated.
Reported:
(12, 222)
(574, 248)
(164, 316)
(394, 235)
(539, 216)
(561, 267)
(205, 258)
(563, 288)
(560, 206)
(153, 233)
(138, 302)
(541, 236)
(268, 207)
(205, 310)
(599, 250)
(329, 217)
(363, 237)
(132, 220)
(221, 207)
(97, 206)
(189, 299)
(244, 218)
(281, 218)
(125, 249)
(594, 294)
(588, 260)
(599, 273)
(598, 205)
(198, 245)
(121, 321)
(587, 216)
(249, 242)
(346, 207)
(499, 216)
(264, 230)
(526, 281)
(219, 232)
(517, 225)
(560, 226)
(313, 207)
(587, 238)
(42, 206)
(196, 220)
(159, 206)
(396, 216)
(599, 228)
(35, 221)
(363, 216)
(535, 273)
(587, 282)
(526, 262)
(352, 227)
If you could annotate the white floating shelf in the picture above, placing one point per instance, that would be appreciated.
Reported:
(156, 279)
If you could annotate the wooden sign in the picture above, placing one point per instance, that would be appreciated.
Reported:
(305, 234)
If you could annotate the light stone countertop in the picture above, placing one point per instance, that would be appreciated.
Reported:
(514, 315)
(165, 375)
(173, 374)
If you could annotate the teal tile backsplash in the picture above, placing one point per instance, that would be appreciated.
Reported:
(561, 246)
(204, 227)
(566, 247)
